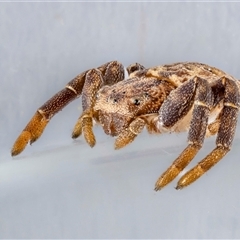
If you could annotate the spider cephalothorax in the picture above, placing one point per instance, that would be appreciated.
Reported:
(178, 97)
(134, 97)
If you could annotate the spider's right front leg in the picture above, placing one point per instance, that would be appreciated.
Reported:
(95, 79)
(73, 90)
(39, 121)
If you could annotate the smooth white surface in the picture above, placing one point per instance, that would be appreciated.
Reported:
(60, 188)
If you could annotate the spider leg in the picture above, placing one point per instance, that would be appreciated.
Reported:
(224, 138)
(73, 90)
(39, 121)
(201, 100)
(95, 79)
(93, 82)
(129, 134)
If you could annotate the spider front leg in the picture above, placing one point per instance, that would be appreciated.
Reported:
(195, 93)
(225, 134)
(95, 79)
(39, 121)
(73, 90)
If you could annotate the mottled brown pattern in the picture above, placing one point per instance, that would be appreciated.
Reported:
(184, 96)
(56, 103)
(77, 83)
(180, 72)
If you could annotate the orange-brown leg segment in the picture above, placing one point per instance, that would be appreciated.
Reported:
(224, 138)
(215, 156)
(177, 166)
(30, 133)
(130, 133)
(37, 124)
(198, 125)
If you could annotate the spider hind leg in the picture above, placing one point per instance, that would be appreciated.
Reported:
(199, 96)
(224, 137)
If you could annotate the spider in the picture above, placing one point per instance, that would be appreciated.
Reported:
(185, 96)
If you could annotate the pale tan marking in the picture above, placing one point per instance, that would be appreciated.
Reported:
(41, 112)
(71, 88)
(230, 105)
(199, 103)
(133, 131)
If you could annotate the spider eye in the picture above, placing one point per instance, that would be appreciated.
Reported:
(136, 102)
(114, 100)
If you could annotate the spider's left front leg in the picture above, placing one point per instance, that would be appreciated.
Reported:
(130, 133)
(43, 115)
(108, 73)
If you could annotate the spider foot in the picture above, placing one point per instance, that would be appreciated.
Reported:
(77, 130)
(124, 139)
(85, 125)
(31, 133)
(178, 165)
(191, 176)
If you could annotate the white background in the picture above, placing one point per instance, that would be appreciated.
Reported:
(60, 188)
